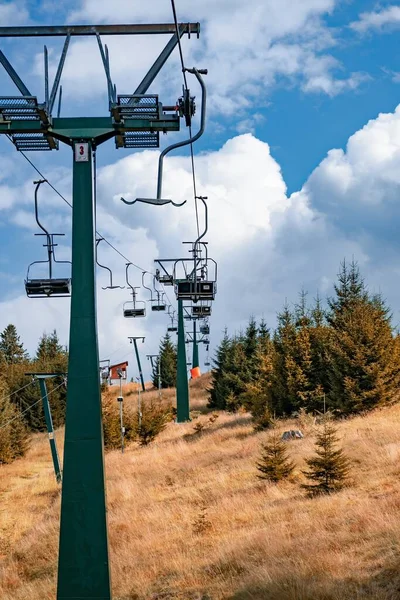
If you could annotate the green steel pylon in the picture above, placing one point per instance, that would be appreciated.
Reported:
(139, 364)
(195, 357)
(182, 385)
(83, 567)
(49, 426)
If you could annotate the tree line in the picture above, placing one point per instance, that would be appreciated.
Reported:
(345, 357)
(21, 410)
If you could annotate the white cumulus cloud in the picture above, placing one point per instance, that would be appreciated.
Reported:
(376, 20)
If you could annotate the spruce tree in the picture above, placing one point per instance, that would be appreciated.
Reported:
(13, 433)
(11, 347)
(257, 395)
(167, 358)
(237, 374)
(219, 389)
(320, 335)
(292, 363)
(364, 368)
(51, 357)
(329, 469)
(274, 463)
(250, 345)
(349, 290)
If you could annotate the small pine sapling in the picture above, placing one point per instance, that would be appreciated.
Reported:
(329, 468)
(274, 463)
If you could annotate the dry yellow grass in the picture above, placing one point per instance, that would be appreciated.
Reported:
(188, 518)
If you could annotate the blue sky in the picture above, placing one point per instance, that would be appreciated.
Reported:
(288, 82)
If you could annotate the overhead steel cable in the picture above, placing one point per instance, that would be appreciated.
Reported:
(16, 391)
(97, 232)
(190, 127)
(29, 407)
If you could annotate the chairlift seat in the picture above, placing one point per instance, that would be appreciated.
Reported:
(132, 310)
(195, 290)
(201, 311)
(207, 364)
(166, 279)
(158, 307)
(205, 329)
(43, 288)
(172, 329)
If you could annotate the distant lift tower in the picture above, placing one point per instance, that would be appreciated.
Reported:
(134, 121)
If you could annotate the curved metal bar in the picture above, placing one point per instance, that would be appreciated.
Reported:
(191, 140)
(155, 201)
(36, 262)
(203, 199)
(38, 184)
(127, 280)
(197, 242)
(111, 286)
(147, 288)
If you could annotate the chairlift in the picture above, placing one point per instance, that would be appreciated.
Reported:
(159, 303)
(201, 311)
(111, 286)
(205, 329)
(197, 285)
(172, 328)
(195, 290)
(207, 363)
(104, 369)
(46, 287)
(134, 308)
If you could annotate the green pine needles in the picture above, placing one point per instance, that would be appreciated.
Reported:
(343, 356)
(274, 464)
(329, 468)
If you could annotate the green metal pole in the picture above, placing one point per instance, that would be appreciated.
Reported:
(195, 360)
(83, 567)
(139, 364)
(182, 386)
(50, 428)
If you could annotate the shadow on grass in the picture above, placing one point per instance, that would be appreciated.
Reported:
(209, 430)
(384, 586)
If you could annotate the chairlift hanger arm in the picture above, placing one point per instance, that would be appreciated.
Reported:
(38, 184)
(190, 140)
(111, 286)
(147, 288)
(203, 199)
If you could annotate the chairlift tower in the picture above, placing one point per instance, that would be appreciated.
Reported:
(195, 356)
(182, 385)
(134, 121)
(133, 340)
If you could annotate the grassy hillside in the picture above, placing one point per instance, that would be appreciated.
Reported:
(189, 519)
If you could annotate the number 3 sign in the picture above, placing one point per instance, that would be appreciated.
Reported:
(82, 152)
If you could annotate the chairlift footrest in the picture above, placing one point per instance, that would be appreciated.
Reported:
(33, 141)
(137, 107)
(138, 139)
